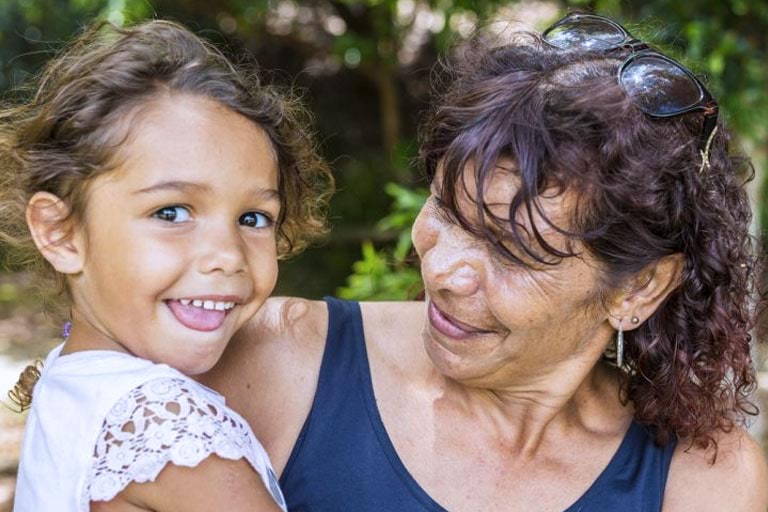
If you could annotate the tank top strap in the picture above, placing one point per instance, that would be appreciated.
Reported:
(339, 380)
(635, 477)
(344, 351)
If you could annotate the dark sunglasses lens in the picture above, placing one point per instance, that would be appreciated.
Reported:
(660, 87)
(586, 34)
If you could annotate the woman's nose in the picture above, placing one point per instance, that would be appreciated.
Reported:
(450, 261)
(451, 274)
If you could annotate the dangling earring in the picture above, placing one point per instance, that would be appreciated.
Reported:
(620, 346)
(67, 328)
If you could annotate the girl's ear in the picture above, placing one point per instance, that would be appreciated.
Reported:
(646, 293)
(53, 235)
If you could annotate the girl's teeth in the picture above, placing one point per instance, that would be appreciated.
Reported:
(208, 304)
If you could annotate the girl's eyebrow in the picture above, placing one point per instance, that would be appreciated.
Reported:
(177, 185)
(186, 186)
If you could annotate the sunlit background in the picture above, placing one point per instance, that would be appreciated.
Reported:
(364, 67)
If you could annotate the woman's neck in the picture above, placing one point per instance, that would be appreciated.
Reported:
(523, 414)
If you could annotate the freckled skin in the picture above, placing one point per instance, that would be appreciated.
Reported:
(188, 214)
(133, 261)
(522, 416)
(539, 316)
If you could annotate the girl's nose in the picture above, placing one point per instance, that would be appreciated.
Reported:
(221, 250)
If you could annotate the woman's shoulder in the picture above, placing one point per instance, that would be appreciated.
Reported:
(272, 364)
(736, 481)
(303, 324)
(393, 320)
(286, 319)
(284, 328)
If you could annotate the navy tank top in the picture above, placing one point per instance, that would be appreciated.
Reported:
(344, 460)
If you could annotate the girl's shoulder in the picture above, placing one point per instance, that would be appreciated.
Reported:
(93, 379)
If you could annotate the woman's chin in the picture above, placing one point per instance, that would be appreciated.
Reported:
(449, 360)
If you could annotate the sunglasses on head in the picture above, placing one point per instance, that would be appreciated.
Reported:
(660, 86)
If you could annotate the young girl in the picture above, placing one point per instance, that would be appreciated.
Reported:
(159, 184)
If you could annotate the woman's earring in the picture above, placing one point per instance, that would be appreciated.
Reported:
(620, 346)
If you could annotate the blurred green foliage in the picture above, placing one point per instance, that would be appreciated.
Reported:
(365, 66)
(389, 273)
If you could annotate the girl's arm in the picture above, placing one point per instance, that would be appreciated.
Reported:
(214, 484)
(170, 445)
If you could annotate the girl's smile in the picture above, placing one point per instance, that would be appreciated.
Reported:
(202, 314)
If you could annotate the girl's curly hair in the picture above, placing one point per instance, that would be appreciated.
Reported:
(566, 122)
(66, 128)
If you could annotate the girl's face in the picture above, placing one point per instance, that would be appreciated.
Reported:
(179, 240)
(494, 323)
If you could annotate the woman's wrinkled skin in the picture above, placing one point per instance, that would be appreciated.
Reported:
(509, 398)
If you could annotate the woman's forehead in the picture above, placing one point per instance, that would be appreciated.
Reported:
(500, 185)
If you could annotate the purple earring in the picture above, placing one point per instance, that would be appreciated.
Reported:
(67, 329)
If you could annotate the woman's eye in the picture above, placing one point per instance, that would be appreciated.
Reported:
(255, 220)
(173, 214)
(442, 211)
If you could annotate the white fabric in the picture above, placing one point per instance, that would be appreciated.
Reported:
(101, 420)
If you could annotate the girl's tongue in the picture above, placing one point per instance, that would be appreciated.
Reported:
(196, 318)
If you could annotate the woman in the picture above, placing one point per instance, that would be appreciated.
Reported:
(582, 200)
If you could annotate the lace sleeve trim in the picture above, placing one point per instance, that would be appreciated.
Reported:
(163, 420)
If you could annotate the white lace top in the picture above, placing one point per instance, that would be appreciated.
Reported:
(101, 420)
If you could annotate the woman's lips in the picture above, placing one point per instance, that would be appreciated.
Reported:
(450, 327)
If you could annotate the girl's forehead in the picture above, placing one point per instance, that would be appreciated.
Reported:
(187, 138)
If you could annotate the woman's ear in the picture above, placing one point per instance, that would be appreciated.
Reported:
(646, 292)
(54, 236)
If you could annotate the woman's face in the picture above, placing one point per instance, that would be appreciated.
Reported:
(494, 322)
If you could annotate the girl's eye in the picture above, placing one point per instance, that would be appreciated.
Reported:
(255, 220)
(173, 214)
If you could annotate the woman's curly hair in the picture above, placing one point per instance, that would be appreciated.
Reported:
(567, 124)
(67, 129)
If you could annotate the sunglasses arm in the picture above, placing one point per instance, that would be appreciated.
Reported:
(708, 132)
